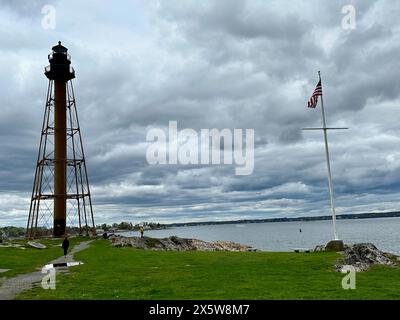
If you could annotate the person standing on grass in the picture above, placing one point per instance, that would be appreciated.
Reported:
(141, 232)
(65, 245)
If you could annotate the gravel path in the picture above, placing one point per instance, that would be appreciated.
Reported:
(12, 287)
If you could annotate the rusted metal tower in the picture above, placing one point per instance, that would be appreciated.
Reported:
(61, 194)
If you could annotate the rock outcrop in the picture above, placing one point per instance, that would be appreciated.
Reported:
(334, 245)
(319, 248)
(177, 244)
(363, 255)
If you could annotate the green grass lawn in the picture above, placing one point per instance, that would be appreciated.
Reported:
(126, 273)
(28, 260)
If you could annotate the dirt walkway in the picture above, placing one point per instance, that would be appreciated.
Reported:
(12, 287)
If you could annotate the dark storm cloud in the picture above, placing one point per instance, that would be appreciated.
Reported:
(239, 19)
(209, 64)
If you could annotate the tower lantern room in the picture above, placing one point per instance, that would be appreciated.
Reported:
(60, 64)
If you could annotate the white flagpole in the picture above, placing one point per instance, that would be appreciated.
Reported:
(328, 164)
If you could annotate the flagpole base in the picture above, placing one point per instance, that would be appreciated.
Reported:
(335, 245)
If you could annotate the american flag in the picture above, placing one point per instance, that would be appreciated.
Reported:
(312, 103)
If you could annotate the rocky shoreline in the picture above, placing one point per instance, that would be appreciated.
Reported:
(361, 256)
(178, 244)
(364, 255)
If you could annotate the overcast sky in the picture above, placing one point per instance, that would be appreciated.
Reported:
(209, 64)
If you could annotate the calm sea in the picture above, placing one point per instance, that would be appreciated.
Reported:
(285, 236)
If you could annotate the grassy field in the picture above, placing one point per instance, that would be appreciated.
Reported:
(28, 260)
(126, 273)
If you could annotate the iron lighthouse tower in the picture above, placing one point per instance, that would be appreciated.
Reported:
(60, 194)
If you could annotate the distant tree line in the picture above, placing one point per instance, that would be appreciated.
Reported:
(129, 226)
(17, 232)
(11, 232)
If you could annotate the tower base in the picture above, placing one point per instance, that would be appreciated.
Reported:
(59, 228)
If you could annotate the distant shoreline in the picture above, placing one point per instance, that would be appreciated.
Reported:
(394, 214)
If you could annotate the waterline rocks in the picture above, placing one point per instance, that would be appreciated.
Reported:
(177, 244)
(363, 255)
(335, 245)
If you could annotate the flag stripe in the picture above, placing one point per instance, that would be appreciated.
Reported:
(312, 103)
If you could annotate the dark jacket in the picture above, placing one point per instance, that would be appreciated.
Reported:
(65, 243)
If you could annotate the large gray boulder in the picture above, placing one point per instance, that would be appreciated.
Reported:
(362, 256)
(334, 245)
(319, 248)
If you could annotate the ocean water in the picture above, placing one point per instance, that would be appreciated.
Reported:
(286, 236)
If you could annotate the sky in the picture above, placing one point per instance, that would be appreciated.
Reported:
(249, 64)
